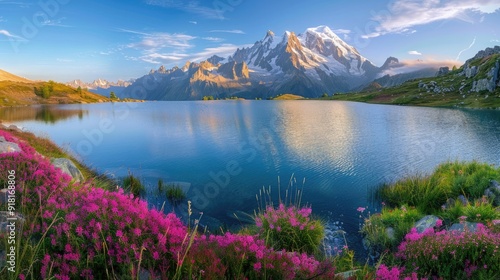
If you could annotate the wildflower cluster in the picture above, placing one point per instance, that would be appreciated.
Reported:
(291, 228)
(234, 256)
(452, 254)
(86, 230)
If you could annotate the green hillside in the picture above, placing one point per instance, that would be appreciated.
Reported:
(474, 85)
(15, 93)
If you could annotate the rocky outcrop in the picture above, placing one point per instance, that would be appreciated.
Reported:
(490, 82)
(68, 167)
(215, 59)
(234, 71)
(443, 71)
(484, 53)
(470, 71)
(8, 147)
(434, 87)
(493, 192)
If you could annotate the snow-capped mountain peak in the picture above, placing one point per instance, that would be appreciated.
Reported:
(324, 32)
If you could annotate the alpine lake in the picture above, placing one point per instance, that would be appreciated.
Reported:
(224, 153)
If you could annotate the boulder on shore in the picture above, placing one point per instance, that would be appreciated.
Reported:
(426, 222)
(8, 147)
(471, 227)
(68, 167)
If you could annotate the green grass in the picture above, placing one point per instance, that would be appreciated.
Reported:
(174, 194)
(18, 93)
(449, 180)
(416, 191)
(480, 211)
(133, 185)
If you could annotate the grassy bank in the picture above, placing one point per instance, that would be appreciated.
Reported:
(461, 238)
(410, 94)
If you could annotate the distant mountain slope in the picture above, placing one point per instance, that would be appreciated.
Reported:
(15, 93)
(397, 79)
(474, 84)
(6, 76)
(101, 86)
(308, 64)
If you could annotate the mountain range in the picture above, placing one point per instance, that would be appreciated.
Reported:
(309, 64)
(101, 86)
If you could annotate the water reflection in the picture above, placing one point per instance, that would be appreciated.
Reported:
(48, 114)
(319, 134)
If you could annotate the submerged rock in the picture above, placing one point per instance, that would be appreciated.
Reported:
(68, 167)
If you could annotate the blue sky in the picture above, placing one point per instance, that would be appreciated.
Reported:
(64, 40)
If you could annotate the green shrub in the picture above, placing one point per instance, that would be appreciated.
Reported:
(291, 228)
(400, 219)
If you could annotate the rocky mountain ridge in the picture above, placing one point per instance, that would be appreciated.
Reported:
(308, 64)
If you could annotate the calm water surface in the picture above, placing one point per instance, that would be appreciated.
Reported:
(223, 152)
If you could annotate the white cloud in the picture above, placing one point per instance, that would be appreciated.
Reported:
(159, 47)
(2, 19)
(466, 49)
(406, 14)
(158, 40)
(495, 41)
(414, 53)
(234, 31)
(341, 31)
(8, 34)
(170, 59)
(54, 22)
(223, 50)
(193, 22)
(193, 7)
(213, 39)
(407, 66)
(160, 58)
